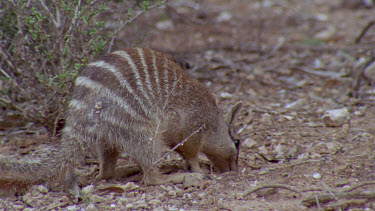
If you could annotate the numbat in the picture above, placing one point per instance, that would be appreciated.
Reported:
(136, 101)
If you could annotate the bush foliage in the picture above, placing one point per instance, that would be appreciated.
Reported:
(43, 44)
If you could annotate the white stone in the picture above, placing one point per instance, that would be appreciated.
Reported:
(154, 202)
(226, 95)
(42, 189)
(97, 199)
(326, 34)
(224, 16)
(164, 25)
(296, 105)
(91, 207)
(88, 189)
(336, 117)
(316, 176)
(249, 143)
(369, 72)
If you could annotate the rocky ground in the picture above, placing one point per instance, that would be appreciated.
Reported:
(304, 72)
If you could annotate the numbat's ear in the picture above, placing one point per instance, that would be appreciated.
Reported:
(233, 112)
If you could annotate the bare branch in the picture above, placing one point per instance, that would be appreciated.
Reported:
(127, 22)
(246, 193)
(9, 103)
(57, 24)
(5, 54)
(74, 20)
(364, 30)
(4, 73)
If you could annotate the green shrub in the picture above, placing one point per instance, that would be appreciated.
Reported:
(43, 44)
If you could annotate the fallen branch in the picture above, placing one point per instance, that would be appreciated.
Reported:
(323, 74)
(10, 104)
(358, 75)
(327, 197)
(248, 192)
(364, 30)
(359, 185)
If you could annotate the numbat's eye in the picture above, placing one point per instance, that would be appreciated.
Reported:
(236, 143)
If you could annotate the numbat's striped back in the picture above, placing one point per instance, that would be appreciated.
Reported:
(128, 94)
(137, 101)
(139, 80)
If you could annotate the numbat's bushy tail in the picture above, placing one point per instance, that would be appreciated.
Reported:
(136, 101)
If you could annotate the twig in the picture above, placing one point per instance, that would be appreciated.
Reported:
(4, 73)
(173, 149)
(364, 30)
(282, 127)
(74, 20)
(57, 23)
(323, 74)
(356, 136)
(327, 188)
(7, 57)
(127, 22)
(327, 48)
(307, 150)
(11, 104)
(179, 144)
(164, 108)
(269, 160)
(358, 75)
(260, 25)
(360, 155)
(306, 161)
(260, 110)
(311, 189)
(317, 202)
(270, 186)
(327, 197)
(359, 185)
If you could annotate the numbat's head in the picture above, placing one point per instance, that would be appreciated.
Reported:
(222, 143)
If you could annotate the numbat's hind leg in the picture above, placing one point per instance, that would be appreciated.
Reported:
(70, 182)
(107, 162)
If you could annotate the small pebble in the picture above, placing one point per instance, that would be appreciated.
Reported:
(42, 189)
(336, 117)
(249, 143)
(154, 202)
(97, 199)
(224, 16)
(202, 195)
(91, 207)
(172, 193)
(18, 206)
(317, 176)
(186, 196)
(88, 189)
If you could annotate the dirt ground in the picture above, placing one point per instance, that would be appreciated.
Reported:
(289, 61)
